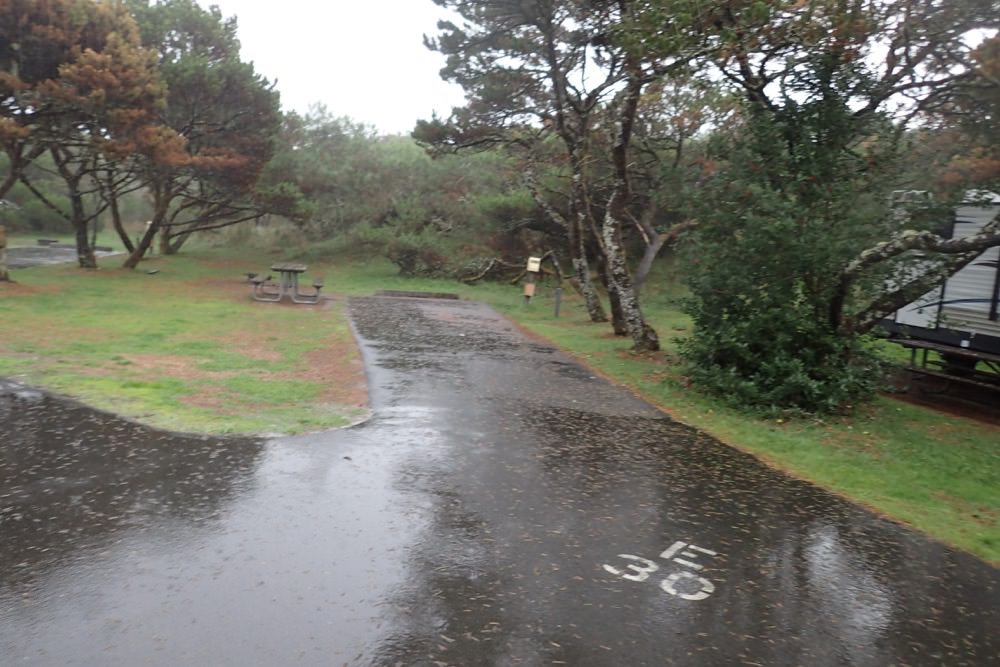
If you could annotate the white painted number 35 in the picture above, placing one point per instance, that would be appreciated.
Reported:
(683, 584)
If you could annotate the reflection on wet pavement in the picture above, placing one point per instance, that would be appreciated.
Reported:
(503, 507)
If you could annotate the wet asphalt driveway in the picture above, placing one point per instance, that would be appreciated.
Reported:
(503, 507)
(60, 253)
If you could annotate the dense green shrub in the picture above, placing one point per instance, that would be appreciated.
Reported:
(790, 207)
(415, 256)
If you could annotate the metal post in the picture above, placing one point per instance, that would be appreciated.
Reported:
(3, 254)
(558, 300)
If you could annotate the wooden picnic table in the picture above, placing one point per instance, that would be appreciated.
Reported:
(288, 285)
(921, 363)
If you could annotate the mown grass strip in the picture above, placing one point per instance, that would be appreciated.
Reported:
(184, 349)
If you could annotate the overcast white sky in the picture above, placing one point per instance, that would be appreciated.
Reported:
(364, 59)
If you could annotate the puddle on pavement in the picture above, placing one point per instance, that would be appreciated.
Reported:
(124, 546)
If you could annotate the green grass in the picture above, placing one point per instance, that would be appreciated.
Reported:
(185, 349)
(933, 471)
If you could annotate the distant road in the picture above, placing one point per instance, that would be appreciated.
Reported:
(28, 256)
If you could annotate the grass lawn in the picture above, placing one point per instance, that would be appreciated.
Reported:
(184, 349)
(188, 349)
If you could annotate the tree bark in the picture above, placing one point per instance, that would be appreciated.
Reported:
(9, 180)
(140, 250)
(581, 270)
(965, 249)
(116, 222)
(551, 256)
(578, 242)
(93, 232)
(646, 263)
(172, 247)
(531, 182)
(17, 163)
(165, 241)
(909, 239)
(161, 201)
(644, 337)
(653, 240)
(653, 249)
(575, 230)
(887, 303)
(63, 158)
(618, 323)
(571, 133)
(84, 251)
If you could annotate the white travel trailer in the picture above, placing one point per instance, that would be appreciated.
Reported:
(964, 313)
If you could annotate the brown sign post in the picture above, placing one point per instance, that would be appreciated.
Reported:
(534, 266)
(3, 254)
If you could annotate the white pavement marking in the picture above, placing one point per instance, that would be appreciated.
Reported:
(641, 573)
(705, 586)
(644, 567)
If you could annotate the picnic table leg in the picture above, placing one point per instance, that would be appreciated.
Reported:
(287, 280)
(265, 290)
(301, 297)
(260, 295)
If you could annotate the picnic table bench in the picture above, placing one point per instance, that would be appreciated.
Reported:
(957, 365)
(266, 289)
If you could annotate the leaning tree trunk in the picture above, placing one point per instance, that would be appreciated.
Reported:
(159, 213)
(164, 240)
(140, 250)
(174, 244)
(116, 222)
(644, 337)
(646, 263)
(9, 181)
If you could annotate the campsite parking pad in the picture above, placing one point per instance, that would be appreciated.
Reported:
(502, 507)
(25, 257)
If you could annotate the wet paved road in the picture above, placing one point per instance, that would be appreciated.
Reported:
(28, 256)
(478, 519)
